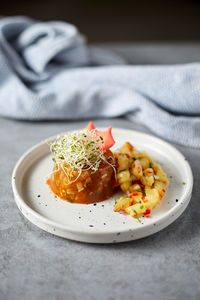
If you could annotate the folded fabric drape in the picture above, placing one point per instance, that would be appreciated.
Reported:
(48, 72)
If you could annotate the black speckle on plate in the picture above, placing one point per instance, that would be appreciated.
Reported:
(45, 204)
(90, 211)
(79, 217)
(176, 200)
(91, 225)
(104, 223)
(94, 204)
(102, 205)
(38, 196)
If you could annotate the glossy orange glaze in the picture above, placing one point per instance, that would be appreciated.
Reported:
(88, 188)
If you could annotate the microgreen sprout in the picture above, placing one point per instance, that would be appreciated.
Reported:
(78, 151)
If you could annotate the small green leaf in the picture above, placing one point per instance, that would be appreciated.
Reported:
(136, 215)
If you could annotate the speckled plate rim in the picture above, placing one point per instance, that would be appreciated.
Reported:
(98, 236)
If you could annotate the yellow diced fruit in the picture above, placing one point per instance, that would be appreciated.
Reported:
(135, 187)
(162, 176)
(144, 163)
(152, 196)
(125, 186)
(136, 154)
(160, 187)
(123, 162)
(148, 172)
(122, 203)
(123, 176)
(132, 178)
(147, 180)
(156, 167)
(136, 169)
(160, 173)
(144, 154)
(127, 148)
(137, 198)
(139, 208)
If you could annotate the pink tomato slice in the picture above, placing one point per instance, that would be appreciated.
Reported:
(108, 140)
(90, 126)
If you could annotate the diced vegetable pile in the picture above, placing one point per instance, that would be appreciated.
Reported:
(142, 179)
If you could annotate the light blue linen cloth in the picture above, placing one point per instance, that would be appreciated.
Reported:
(48, 72)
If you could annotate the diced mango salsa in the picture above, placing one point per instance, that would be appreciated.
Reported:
(142, 179)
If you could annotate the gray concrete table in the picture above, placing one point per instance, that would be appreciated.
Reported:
(37, 265)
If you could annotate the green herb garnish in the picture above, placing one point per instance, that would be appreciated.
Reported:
(136, 215)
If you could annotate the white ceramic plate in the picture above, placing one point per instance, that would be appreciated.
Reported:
(98, 223)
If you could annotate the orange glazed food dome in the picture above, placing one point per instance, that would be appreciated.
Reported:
(84, 169)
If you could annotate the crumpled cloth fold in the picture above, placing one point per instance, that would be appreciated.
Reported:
(48, 72)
